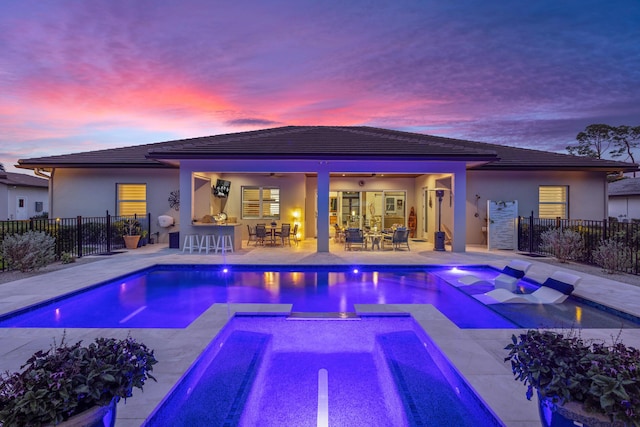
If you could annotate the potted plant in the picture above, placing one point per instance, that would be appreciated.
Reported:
(143, 238)
(71, 384)
(593, 383)
(132, 233)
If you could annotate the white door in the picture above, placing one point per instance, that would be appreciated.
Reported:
(21, 208)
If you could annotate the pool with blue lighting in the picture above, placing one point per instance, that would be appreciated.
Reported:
(173, 296)
(274, 371)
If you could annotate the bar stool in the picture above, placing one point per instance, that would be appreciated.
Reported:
(191, 242)
(224, 244)
(208, 243)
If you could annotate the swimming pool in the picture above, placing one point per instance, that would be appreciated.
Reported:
(376, 371)
(173, 296)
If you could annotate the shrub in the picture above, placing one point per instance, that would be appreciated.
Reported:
(564, 244)
(69, 379)
(613, 255)
(29, 251)
(66, 258)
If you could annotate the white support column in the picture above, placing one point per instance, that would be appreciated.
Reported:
(323, 211)
(186, 201)
(459, 242)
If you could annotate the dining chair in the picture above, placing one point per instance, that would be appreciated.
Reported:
(252, 235)
(284, 233)
(261, 234)
(294, 234)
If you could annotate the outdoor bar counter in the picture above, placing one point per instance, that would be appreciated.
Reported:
(232, 229)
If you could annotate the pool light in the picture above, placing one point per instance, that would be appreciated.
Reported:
(323, 398)
(225, 270)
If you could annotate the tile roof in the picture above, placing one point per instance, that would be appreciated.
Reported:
(22, 180)
(625, 187)
(331, 142)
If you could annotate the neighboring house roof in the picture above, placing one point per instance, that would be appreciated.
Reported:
(330, 142)
(22, 180)
(625, 187)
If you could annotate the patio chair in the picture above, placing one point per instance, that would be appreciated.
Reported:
(261, 234)
(555, 290)
(284, 234)
(507, 279)
(252, 235)
(354, 237)
(294, 234)
(338, 237)
(400, 237)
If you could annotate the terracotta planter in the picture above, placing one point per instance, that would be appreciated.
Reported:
(98, 416)
(131, 242)
(570, 415)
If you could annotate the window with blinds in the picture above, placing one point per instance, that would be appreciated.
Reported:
(131, 199)
(260, 202)
(553, 201)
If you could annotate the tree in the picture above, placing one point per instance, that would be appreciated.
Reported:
(625, 140)
(594, 141)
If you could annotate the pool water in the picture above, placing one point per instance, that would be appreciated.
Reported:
(170, 296)
(380, 371)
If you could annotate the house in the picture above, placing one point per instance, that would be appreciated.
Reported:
(319, 176)
(22, 196)
(624, 199)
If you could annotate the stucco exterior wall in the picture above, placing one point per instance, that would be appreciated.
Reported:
(9, 198)
(4, 202)
(587, 194)
(624, 207)
(292, 196)
(92, 192)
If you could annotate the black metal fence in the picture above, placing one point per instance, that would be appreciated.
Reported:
(593, 233)
(78, 236)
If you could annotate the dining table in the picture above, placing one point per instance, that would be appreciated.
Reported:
(271, 233)
(374, 238)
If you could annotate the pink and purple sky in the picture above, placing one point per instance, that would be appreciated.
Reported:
(81, 75)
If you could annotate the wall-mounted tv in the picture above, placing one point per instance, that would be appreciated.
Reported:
(221, 189)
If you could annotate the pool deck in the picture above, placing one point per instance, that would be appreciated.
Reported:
(477, 353)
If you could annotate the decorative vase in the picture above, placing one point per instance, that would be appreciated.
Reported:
(570, 415)
(131, 242)
(97, 416)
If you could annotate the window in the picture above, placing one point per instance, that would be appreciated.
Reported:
(39, 207)
(132, 199)
(553, 201)
(260, 203)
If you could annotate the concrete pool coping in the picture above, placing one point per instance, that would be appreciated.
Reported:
(477, 354)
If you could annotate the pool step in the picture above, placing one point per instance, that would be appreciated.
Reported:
(219, 397)
(323, 316)
(427, 396)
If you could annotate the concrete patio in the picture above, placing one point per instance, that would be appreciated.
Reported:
(477, 354)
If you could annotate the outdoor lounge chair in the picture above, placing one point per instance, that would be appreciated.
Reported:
(555, 290)
(507, 279)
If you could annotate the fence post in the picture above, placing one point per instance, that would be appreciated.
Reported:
(108, 233)
(148, 226)
(79, 237)
(531, 233)
(604, 229)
